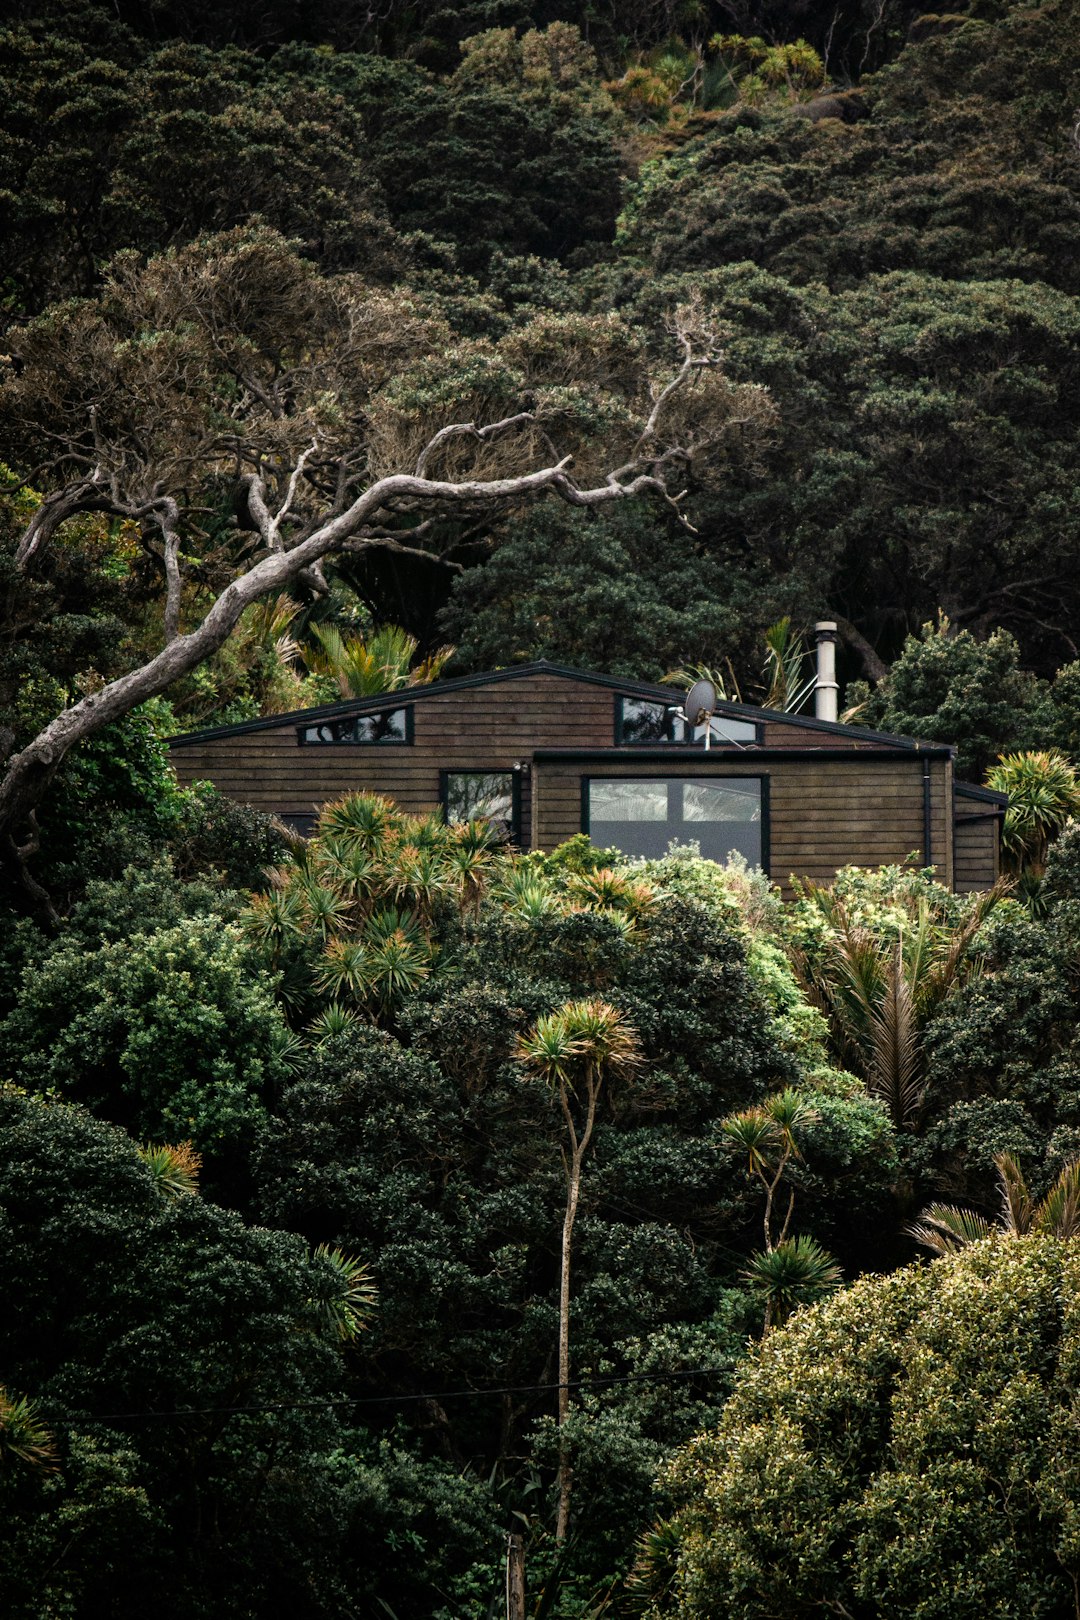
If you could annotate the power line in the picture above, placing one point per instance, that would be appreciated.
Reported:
(178, 1413)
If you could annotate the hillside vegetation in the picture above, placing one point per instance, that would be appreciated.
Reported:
(324, 1164)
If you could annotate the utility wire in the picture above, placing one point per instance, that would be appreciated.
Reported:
(399, 1400)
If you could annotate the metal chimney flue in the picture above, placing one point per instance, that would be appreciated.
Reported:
(826, 692)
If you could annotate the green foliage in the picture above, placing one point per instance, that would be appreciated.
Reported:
(133, 1301)
(950, 687)
(863, 1455)
(170, 1032)
(881, 977)
(1044, 795)
(796, 1272)
(121, 143)
(599, 592)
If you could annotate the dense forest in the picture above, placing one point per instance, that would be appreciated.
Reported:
(393, 1224)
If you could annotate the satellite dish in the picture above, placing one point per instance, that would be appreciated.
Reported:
(700, 702)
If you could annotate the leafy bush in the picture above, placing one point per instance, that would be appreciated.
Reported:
(908, 1447)
(172, 1033)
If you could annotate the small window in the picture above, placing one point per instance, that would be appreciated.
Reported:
(299, 821)
(468, 795)
(643, 817)
(389, 726)
(643, 721)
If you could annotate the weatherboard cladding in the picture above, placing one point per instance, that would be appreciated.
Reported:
(837, 794)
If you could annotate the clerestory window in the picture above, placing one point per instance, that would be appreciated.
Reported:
(644, 721)
(388, 726)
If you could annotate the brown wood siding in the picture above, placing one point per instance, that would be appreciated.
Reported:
(822, 815)
(479, 728)
(977, 853)
(777, 734)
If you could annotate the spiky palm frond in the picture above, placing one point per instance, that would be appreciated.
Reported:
(322, 909)
(549, 1049)
(945, 1228)
(790, 1112)
(798, 1271)
(1059, 1211)
(345, 970)
(274, 920)
(364, 817)
(24, 1438)
(656, 1564)
(532, 901)
(348, 1310)
(397, 966)
(1044, 794)
(789, 680)
(333, 1020)
(288, 1048)
(608, 890)
(175, 1170)
(755, 1134)
(607, 1037)
(894, 1070)
(1017, 1207)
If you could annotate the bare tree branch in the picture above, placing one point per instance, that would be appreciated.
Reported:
(462, 430)
(29, 771)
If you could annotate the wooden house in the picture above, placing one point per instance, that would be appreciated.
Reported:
(548, 752)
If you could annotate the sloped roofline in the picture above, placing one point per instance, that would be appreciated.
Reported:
(984, 795)
(462, 683)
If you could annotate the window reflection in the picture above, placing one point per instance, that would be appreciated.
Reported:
(643, 816)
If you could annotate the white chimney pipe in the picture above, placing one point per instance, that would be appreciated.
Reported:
(826, 691)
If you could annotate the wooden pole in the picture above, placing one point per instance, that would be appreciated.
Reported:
(515, 1577)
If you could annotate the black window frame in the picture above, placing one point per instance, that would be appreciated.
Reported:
(489, 770)
(359, 742)
(671, 741)
(761, 777)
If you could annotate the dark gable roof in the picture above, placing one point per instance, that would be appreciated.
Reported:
(996, 802)
(516, 672)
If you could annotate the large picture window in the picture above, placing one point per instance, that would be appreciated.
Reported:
(389, 726)
(643, 721)
(494, 795)
(643, 816)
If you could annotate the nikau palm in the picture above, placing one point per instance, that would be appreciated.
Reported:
(879, 994)
(576, 1049)
(944, 1228)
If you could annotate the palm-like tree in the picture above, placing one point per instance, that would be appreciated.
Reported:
(1044, 794)
(365, 666)
(577, 1049)
(766, 1135)
(23, 1436)
(878, 994)
(347, 1311)
(797, 1271)
(175, 1169)
(945, 1228)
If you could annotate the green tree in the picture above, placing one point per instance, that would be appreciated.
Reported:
(173, 1033)
(944, 1228)
(327, 366)
(948, 686)
(908, 1445)
(1044, 796)
(578, 1050)
(880, 972)
(132, 1301)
